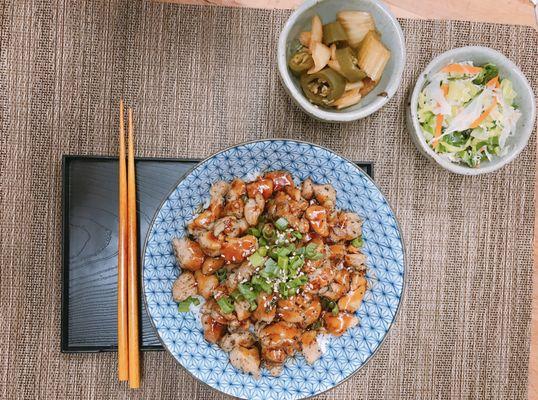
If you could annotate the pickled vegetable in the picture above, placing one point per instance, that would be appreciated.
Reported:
(323, 87)
(304, 38)
(300, 62)
(356, 25)
(354, 85)
(333, 51)
(373, 56)
(348, 99)
(317, 30)
(367, 86)
(340, 62)
(334, 33)
(321, 55)
(349, 66)
(333, 64)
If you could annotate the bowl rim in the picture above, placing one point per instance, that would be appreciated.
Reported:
(515, 73)
(345, 116)
(405, 276)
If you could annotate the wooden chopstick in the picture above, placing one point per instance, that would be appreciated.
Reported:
(123, 346)
(132, 281)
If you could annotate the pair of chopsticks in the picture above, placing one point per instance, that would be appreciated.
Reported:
(128, 346)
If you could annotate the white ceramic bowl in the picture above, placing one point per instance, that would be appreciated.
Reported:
(525, 100)
(391, 35)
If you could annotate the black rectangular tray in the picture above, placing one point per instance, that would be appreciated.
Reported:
(90, 244)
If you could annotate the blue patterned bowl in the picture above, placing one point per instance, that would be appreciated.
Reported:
(181, 333)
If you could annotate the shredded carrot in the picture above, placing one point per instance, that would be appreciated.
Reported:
(461, 69)
(483, 116)
(438, 125)
(444, 88)
(493, 82)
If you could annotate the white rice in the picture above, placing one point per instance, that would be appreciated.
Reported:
(252, 176)
(196, 309)
(322, 340)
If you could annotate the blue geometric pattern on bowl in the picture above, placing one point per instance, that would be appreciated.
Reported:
(181, 333)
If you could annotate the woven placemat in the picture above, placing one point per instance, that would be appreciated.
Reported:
(201, 79)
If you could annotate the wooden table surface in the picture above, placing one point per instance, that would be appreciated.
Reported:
(515, 12)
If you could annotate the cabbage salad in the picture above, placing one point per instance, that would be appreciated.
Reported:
(468, 112)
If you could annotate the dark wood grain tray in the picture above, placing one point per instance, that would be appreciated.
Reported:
(90, 244)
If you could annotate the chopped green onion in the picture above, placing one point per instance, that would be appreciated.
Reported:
(335, 309)
(255, 232)
(262, 251)
(270, 270)
(273, 253)
(270, 264)
(236, 295)
(225, 304)
(297, 234)
(261, 283)
(283, 262)
(247, 291)
(300, 251)
(357, 242)
(281, 223)
(296, 263)
(262, 241)
(283, 290)
(310, 247)
(268, 232)
(185, 305)
(328, 304)
(297, 282)
(256, 260)
(222, 274)
(311, 252)
(283, 251)
(315, 256)
(253, 305)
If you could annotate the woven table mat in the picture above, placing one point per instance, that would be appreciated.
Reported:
(204, 78)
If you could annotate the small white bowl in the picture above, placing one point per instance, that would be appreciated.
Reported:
(391, 35)
(525, 100)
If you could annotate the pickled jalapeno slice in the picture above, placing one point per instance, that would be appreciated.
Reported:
(300, 62)
(334, 33)
(323, 87)
(349, 66)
